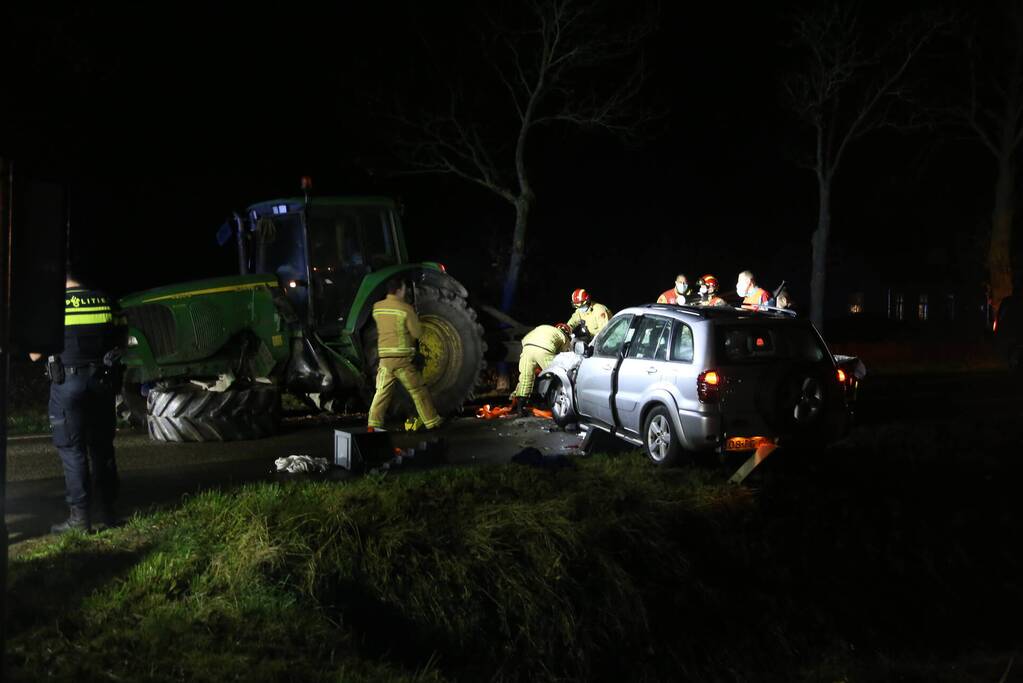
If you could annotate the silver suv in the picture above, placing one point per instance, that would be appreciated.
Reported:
(684, 379)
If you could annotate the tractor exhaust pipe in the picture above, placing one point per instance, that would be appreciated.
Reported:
(243, 254)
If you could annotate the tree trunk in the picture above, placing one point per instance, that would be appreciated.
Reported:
(999, 257)
(511, 278)
(820, 253)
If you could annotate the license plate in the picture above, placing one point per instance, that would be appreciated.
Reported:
(746, 443)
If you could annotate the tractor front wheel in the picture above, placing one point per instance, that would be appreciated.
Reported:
(190, 413)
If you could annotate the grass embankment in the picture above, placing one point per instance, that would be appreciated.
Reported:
(874, 564)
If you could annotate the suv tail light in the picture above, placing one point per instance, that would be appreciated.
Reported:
(841, 376)
(708, 386)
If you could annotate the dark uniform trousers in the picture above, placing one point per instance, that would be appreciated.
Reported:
(83, 420)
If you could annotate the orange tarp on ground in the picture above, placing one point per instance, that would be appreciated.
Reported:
(490, 413)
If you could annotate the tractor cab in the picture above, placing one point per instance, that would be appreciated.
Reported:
(321, 250)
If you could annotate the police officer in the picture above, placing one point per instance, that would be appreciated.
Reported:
(399, 329)
(82, 404)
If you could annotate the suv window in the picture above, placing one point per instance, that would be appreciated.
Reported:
(682, 348)
(611, 338)
(651, 339)
(765, 342)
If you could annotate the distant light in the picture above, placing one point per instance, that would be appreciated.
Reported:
(760, 342)
(994, 325)
(855, 308)
(307, 183)
(133, 340)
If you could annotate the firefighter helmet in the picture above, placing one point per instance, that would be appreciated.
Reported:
(580, 297)
(564, 328)
(710, 282)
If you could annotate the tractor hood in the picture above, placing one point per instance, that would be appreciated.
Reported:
(218, 285)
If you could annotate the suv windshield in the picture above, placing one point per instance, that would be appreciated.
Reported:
(767, 342)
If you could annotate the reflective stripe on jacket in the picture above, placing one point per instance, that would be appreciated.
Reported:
(89, 330)
(398, 327)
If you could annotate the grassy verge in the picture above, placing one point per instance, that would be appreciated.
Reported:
(867, 562)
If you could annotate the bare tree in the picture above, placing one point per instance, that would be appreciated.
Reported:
(993, 113)
(845, 88)
(566, 66)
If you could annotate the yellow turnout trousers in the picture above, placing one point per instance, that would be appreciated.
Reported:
(532, 357)
(401, 370)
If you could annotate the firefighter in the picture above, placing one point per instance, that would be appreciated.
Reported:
(81, 410)
(538, 350)
(753, 297)
(594, 315)
(398, 328)
(709, 291)
(677, 294)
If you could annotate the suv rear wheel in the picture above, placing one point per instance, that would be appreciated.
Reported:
(659, 438)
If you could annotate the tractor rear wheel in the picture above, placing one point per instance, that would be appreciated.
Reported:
(452, 345)
(190, 413)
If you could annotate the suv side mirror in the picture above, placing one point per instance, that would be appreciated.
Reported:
(583, 349)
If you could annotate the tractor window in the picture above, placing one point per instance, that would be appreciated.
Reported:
(346, 243)
(284, 254)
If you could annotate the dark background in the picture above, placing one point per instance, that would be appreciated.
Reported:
(163, 122)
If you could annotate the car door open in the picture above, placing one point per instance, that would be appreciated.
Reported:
(595, 378)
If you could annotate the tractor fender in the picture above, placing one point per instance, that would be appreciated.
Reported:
(420, 275)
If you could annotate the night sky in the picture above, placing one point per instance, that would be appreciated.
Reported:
(164, 122)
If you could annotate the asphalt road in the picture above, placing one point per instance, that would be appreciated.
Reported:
(156, 474)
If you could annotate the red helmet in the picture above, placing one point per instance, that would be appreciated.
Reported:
(710, 281)
(580, 297)
(564, 328)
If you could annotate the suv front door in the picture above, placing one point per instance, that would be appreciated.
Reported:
(643, 366)
(594, 381)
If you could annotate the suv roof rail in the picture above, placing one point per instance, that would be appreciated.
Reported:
(720, 311)
(691, 310)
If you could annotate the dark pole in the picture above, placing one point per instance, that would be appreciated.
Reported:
(6, 207)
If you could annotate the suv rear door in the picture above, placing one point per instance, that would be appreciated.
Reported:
(773, 371)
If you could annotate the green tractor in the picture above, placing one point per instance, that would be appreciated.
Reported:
(209, 360)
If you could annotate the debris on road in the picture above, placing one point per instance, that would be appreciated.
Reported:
(534, 458)
(301, 463)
